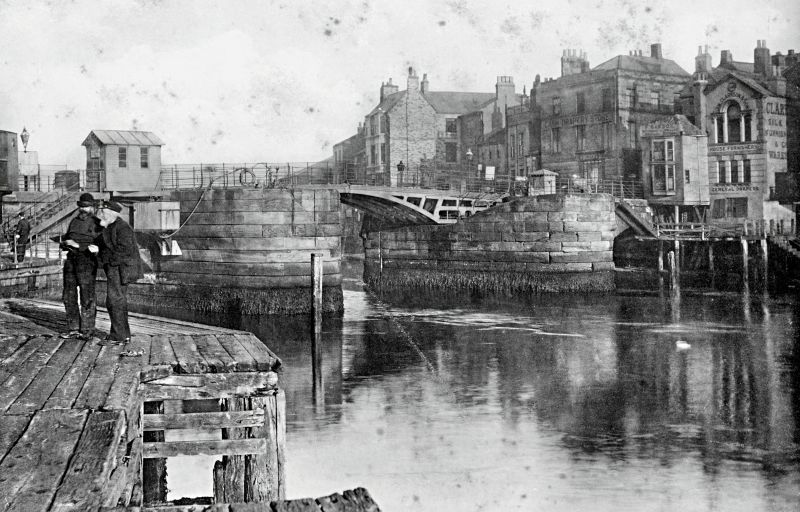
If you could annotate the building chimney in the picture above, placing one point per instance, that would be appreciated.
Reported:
(413, 80)
(425, 84)
(505, 94)
(655, 51)
(387, 89)
(762, 63)
(725, 58)
(702, 63)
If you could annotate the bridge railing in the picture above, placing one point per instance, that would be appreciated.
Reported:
(426, 176)
(290, 174)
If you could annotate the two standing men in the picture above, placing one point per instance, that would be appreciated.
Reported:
(98, 236)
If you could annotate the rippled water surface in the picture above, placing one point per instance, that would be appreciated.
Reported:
(559, 403)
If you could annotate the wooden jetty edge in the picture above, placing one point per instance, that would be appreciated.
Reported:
(72, 421)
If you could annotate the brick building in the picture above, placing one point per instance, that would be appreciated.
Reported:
(743, 108)
(589, 117)
(432, 132)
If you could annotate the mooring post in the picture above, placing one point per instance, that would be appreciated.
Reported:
(660, 257)
(673, 270)
(745, 257)
(764, 260)
(318, 387)
(711, 261)
(677, 256)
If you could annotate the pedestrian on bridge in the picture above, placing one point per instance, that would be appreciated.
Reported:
(119, 256)
(21, 237)
(80, 270)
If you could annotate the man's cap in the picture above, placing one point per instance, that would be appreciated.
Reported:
(111, 205)
(21, 214)
(86, 199)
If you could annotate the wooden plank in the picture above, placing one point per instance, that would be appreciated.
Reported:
(132, 477)
(187, 354)
(37, 393)
(11, 428)
(161, 352)
(227, 447)
(301, 505)
(194, 420)
(71, 385)
(216, 356)
(84, 486)
(209, 385)
(265, 360)
(26, 372)
(123, 393)
(352, 500)
(11, 363)
(101, 377)
(244, 361)
(32, 470)
(10, 344)
(263, 480)
(276, 424)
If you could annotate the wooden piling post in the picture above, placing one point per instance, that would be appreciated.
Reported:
(673, 270)
(711, 269)
(660, 257)
(266, 473)
(318, 386)
(745, 258)
(764, 260)
(316, 285)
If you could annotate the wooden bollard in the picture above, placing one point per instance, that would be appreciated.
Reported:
(316, 286)
(745, 258)
(673, 269)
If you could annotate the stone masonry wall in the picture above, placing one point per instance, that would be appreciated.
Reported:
(249, 251)
(531, 244)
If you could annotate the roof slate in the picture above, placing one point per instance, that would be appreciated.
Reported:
(642, 64)
(127, 138)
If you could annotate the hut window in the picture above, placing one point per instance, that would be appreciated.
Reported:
(143, 160)
(123, 157)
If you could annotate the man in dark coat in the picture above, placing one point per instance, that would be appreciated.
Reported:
(80, 270)
(119, 256)
(22, 237)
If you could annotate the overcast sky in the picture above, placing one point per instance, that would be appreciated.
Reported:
(249, 81)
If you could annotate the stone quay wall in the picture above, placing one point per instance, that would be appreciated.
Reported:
(248, 251)
(532, 244)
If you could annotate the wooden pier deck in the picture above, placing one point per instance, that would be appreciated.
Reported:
(71, 411)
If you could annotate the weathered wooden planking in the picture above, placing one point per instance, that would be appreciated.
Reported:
(37, 393)
(11, 429)
(209, 385)
(67, 391)
(264, 476)
(276, 424)
(161, 352)
(31, 472)
(26, 372)
(89, 470)
(188, 356)
(16, 325)
(217, 358)
(232, 345)
(196, 420)
(264, 358)
(11, 363)
(10, 344)
(123, 393)
(301, 505)
(227, 447)
(354, 500)
(98, 383)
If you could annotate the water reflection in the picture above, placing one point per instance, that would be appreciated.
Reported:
(545, 403)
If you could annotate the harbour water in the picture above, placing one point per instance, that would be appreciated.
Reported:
(623, 401)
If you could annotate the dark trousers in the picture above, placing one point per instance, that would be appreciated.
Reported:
(80, 271)
(21, 248)
(117, 304)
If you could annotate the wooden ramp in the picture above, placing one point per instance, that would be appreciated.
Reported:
(71, 411)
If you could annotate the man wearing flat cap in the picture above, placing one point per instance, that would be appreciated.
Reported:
(80, 270)
(21, 237)
(119, 256)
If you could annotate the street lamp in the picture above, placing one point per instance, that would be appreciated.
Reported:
(24, 136)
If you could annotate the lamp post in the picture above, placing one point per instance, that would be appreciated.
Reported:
(24, 136)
